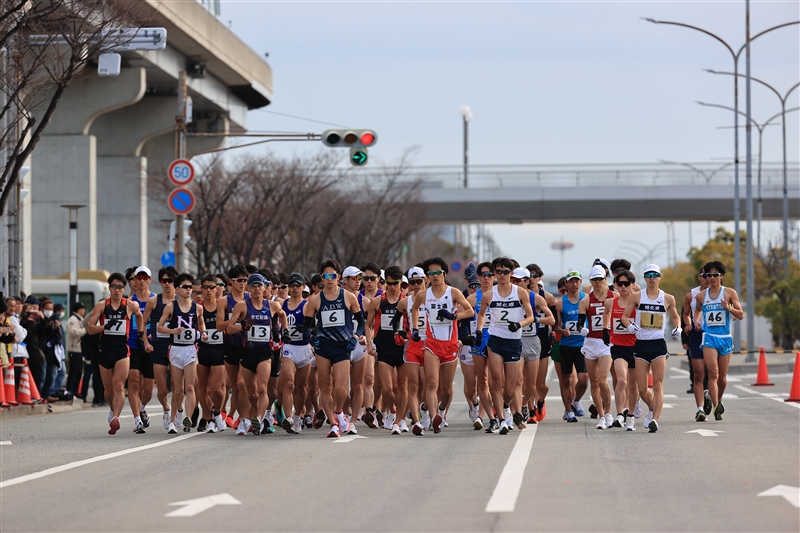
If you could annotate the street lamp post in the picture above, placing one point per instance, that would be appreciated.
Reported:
(736, 216)
(466, 113)
(73, 254)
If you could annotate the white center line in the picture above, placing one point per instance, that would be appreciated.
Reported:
(504, 497)
(76, 464)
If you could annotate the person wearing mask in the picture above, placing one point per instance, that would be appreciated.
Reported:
(33, 321)
(50, 341)
(75, 332)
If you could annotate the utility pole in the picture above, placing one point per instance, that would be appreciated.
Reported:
(180, 153)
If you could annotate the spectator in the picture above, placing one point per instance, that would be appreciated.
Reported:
(75, 332)
(12, 334)
(33, 321)
(90, 348)
(51, 342)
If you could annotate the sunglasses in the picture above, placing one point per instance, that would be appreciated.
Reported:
(256, 284)
(320, 286)
(435, 272)
(282, 287)
(535, 276)
(166, 280)
(369, 278)
(116, 286)
(240, 280)
(502, 272)
(415, 282)
(186, 287)
(209, 287)
(295, 284)
(393, 283)
(142, 277)
(517, 280)
(651, 275)
(711, 275)
(623, 284)
(220, 284)
(486, 274)
(597, 279)
(330, 275)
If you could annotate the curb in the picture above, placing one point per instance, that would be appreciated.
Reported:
(19, 411)
(777, 363)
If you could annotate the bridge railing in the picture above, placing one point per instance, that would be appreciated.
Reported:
(599, 175)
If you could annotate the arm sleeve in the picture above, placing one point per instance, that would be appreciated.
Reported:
(309, 327)
(581, 321)
(361, 323)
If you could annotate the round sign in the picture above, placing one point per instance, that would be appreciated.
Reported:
(456, 266)
(181, 172)
(168, 259)
(181, 201)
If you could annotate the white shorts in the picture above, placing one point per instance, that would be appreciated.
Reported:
(594, 348)
(182, 356)
(466, 355)
(358, 354)
(300, 355)
(531, 348)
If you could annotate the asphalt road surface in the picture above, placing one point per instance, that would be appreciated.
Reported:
(65, 473)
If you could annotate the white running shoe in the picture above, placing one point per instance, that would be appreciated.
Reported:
(631, 425)
(241, 429)
(334, 432)
(247, 424)
(211, 427)
(620, 421)
(609, 420)
(648, 418)
(474, 412)
(219, 422)
(425, 419)
(638, 411)
(417, 429)
(395, 429)
(171, 428)
(179, 420)
(442, 413)
(297, 427)
(344, 423)
(507, 416)
(403, 426)
(110, 415)
(477, 423)
(166, 419)
(602, 424)
(503, 428)
(388, 420)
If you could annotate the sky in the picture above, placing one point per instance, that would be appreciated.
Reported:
(547, 82)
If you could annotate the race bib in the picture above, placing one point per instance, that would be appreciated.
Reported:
(296, 333)
(651, 320)
(116, 329)
(619, 329)
(259, 333)
(214, 336)
(596, 323)
(386, 322)
(714, 318)
(422, 321)
(529, 330)
(187, 336)
(571, 326)
(332, 318)
(162, 335)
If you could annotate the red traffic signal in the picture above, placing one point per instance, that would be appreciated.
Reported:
(349, 138)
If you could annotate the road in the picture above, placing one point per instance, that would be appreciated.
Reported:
(64, 473)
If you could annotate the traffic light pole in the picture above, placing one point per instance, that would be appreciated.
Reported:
(180, 153)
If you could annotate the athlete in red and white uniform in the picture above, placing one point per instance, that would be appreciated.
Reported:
(626, 392)
(408, 373)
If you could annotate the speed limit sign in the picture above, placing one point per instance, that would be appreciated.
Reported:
(181, 172)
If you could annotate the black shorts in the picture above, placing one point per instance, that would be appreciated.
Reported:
(252, 357)
(696, 344)
(333, 351)
(650, 350)
(390, 355)
(210, 356)
(232, 354)
(275, 370)
(140, 360)
(509, 349)
(571, 355)
(109, 356)
(623, 352)
(546, 348)
(160, 355)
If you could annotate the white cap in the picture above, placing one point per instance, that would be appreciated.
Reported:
(652, 267)
(597, 271)
(306, 289)
(521, 273)
(541, 283)
(603, 262)
(350, 272)
(143, 270)
(573, 274)
(383, 274)
(405, 280)
(416, 272)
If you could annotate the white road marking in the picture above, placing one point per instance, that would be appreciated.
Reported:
(706, 432)
(350, 438)
(198, 505)
(787, 492)
(746, 389)
(504, 497)
(670, 396)
(680, 370)
(76, 464)
(668, 406)
(726, 395)
(5, 443)
(770, 395)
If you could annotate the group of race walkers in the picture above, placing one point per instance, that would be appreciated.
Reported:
(251, 350)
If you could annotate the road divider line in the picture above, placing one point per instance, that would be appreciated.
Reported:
(5, 443)
(76, 464)
(769, 395)
(506, 492)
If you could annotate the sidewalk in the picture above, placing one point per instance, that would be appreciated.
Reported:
(779, 363)
(17, 411)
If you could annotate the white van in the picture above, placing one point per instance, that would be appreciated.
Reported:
(92, 287)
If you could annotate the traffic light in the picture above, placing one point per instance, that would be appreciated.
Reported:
(358, 156)
(349, 138)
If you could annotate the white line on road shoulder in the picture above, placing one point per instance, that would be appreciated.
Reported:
(504, 497)
(770, 395)
(76, 464)
(5, 443)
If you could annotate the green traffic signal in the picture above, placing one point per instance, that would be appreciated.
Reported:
(358, 157)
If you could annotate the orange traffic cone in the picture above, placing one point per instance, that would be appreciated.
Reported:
(794, 393)
(3, 397)
(650, 380)
(34, 390)
(24, 389)
(762, 379)
(8, 385)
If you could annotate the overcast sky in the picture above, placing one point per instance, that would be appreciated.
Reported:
(548, 82)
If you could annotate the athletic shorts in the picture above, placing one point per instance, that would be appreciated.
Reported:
(232, 354)
(252, 357)
(160, 354)
(300, 355)
(480, 350)
(275, 369)
(555, 353)
(140, 360)
(531, 348)
(358, 354)
(571, 356)
(182, 356)
(446, 351)
(109, 357)
(210, 356)
(650, 350)
(594, 349)
(466, 355)
(413, 353)
(393, 358)
(333, 351)
(723, 344)
(509, 349)
(544, 341)
(696, 344)
(623, 352)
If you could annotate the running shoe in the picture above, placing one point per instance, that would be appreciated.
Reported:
(110, 415)
(648, 418)
(229, 422)
(417, 429)
(609, 420)
(503, 428)
(403, 426)
(145, 418)
(334, 432)
(474, 412)
(493, 426)
(138, 428)
(425, 419)
(171, 429)
(631, 424)
(478, 423)
(219, 421)
(241, 428)
(700, 416)
(602, 424)
(443, 414)
(298, 425)
(319, 419)
(201, 425)
(354, 431)
(571, 416)
(255, 423)
(379, 418)
(187, 424)
(718, 410)
(707, 405)
(388, 420)
(507, 415)
(369, 419)
(592, 411)
(541, 412)
(565, 415)
(113, 425)
(577, 406)
(519, 420)
(653, 426)
(280, 415)
(267, 426)
(248, 426)
(619, 421)
(195, 416)
(179, 420)
(637, 412)
(437, 423)
(526, 412)
(396, 429)
(532, 418)
(342, 422)
(211, 427)
(308, 422)
(288, 425)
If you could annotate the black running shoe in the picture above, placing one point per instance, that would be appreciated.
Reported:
(255, 423)
(145, 419)
(592, 411)
(195, 416)
(494, 427)
(287, 425)
(707, 405)
(379, 418)
(202, 425)
(319, 419)
(718, 410)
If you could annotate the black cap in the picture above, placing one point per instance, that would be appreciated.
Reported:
(296, 277)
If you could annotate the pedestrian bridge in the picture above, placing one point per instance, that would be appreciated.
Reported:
(606, 192)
